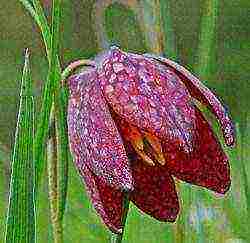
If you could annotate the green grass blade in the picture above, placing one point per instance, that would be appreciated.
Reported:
(38, 15)
(63, 152)
(170, 49)
(243, 171)
(207, 37)
(20, 225)
(43, 121)
(60, 112)
(60, 115)
(52, 86)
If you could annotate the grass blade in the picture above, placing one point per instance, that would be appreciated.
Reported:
(51, 89)
(60, 100)
(60, 113)
(20, 225)
(61, 143)
(170, 48)
(207, 37)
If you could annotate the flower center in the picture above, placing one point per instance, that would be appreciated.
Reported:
(146, 145)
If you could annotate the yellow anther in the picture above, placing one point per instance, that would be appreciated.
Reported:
(144, 156)
(138, 143)
(157, 148)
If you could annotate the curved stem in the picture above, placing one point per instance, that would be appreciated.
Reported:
(74, 65)
(117, 238)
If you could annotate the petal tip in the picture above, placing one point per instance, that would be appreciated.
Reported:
(115, 229)
(230, 135)
(225, 188)
(171, 215)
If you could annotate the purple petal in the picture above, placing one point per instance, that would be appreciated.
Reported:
(206, 166)
(93, 136)
(107, 201)
(147, 95)
(204, 95)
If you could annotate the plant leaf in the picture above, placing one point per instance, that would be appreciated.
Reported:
(20, 225)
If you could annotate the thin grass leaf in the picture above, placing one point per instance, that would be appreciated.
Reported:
(207, 37)
(60, 164)
(60, 101)
(60, 113)
(38, 15)
(169, 47)
(43, 121)
(42, 129)
(52, 86)
(20, 225)
(44, 27)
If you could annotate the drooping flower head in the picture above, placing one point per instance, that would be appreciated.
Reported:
(134, 125)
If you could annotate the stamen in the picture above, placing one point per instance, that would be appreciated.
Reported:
(157, 148)
(136, 140)
(144, 156)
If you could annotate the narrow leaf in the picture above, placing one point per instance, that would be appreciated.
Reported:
(58, 175)
(20, 225)
(207, 37)
(60, 113)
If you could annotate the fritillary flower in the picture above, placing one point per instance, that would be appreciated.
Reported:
(134, 126)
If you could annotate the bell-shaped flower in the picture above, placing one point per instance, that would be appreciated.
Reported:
(134, 125)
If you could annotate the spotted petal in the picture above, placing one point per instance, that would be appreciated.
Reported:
(204, 95)
(94, 138)
(154, 191)
(107, 201)
(206, 166)
(147, 95)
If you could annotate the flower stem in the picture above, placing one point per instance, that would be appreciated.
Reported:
(117, 238)
(74, 65)
(53, 182)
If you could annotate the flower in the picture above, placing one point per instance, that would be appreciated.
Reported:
(134, 125)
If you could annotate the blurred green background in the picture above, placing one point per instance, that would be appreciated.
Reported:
(87, 28)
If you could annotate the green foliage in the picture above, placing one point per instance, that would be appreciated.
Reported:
(21, 213)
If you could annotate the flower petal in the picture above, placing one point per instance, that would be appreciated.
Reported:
(204, 95)
(147, 95)
(107, 201)
(154, 191)
(93, 135)
(206, 166)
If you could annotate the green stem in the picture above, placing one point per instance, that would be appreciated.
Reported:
(74, 65)
(117, 238)
(53, 183)
(207, 37)
(241, 140)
